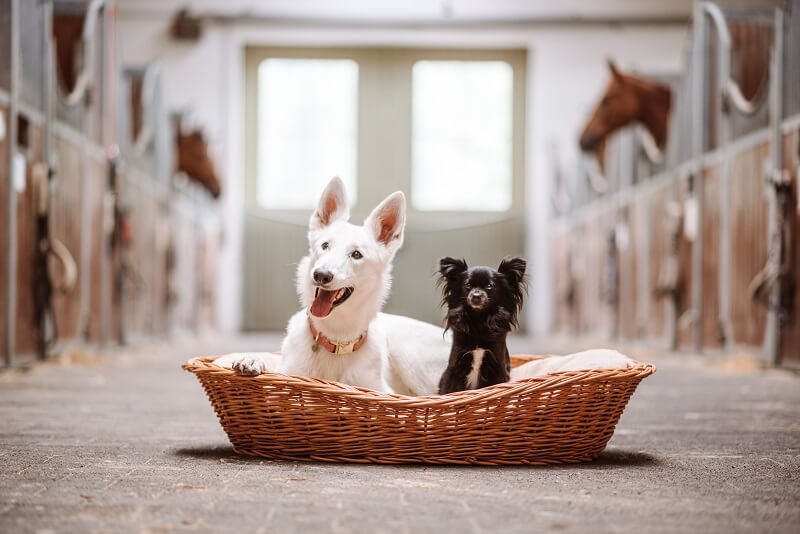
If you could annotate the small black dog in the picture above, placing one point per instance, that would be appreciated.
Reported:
(482, 308)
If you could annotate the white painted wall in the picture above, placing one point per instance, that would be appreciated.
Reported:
(567, 74)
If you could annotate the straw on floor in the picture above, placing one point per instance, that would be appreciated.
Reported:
(563, 417)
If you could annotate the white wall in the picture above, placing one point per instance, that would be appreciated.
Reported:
(567, 74)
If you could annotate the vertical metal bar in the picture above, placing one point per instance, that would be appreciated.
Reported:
(724, 129)
(671, 315)
(43, 220)
(11, 219)
(84, 306)
(108, 195)
(698, 145)
(47, 82)
(643, 282)
(773, 327)
(85, 232)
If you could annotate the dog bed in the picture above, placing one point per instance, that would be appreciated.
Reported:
(563, 417)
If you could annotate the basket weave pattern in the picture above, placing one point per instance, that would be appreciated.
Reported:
(558, 418)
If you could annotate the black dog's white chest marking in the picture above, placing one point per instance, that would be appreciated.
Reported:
(475, 373)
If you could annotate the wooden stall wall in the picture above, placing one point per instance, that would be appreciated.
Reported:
(30, 148)
(655, 206)
(583, 253)
(790, 331)
(749, 223)
(65, 225)
(145, 249)
(4, 183)
(710, 228)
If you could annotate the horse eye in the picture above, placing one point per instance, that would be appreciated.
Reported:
(325, 245)
(356, 255)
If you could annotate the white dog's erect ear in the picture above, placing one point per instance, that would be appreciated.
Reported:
(388, 219)
(332, 205)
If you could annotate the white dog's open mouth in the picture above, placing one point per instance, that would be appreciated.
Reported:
(326, 300)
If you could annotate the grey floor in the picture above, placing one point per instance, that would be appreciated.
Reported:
(127, 442)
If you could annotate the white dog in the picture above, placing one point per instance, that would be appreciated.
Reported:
(342, 284)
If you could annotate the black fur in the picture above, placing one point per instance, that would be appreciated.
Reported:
(482, 307)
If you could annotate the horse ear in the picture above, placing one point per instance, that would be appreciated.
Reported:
(614, 71)
(332, 205)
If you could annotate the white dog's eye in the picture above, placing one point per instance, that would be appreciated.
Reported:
(356, 255)
(324, 245)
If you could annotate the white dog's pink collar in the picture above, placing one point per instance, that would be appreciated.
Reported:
(336, 347)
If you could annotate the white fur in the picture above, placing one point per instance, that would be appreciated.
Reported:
(475, 372)
(579, 361)
(400, 354)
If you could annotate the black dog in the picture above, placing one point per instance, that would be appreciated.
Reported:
(482, 308)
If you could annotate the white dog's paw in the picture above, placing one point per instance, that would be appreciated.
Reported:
(249, 365)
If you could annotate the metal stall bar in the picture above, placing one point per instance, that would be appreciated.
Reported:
(74, 98)
(107, 215)
(777, 181)
(11, 219)
(732, 99)
(43, 290)
(724, 129)
(698, 85)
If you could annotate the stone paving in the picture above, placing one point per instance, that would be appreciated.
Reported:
(125, 441)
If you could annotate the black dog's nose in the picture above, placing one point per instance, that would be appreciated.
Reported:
(477, 298)
(322, 277)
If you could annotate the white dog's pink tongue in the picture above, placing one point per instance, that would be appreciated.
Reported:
(323, 303)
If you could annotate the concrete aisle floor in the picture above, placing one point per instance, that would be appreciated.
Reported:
(129, 443)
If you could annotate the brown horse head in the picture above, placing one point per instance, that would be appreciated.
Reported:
(193, 159)
(628, 99)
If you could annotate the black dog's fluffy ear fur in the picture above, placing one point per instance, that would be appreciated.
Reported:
(450, 267)
(514, 271)
(450, 272)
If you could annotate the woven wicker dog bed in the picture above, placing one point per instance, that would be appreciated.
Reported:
(562, 417)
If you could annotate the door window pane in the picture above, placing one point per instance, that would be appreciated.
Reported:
(461, 135)
(307, 129)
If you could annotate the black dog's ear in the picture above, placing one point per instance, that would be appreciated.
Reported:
(514, 271)
(451, 268)
(450, 271)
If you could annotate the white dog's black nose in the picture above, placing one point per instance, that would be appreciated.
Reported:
(477, 298)
(322, 277)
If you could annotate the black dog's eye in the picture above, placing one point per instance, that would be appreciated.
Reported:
(356, 255)
(325, 245)
(490, 285)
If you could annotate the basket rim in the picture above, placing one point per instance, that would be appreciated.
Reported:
(203, 365)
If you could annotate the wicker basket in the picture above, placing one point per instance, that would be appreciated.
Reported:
(558, 418)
